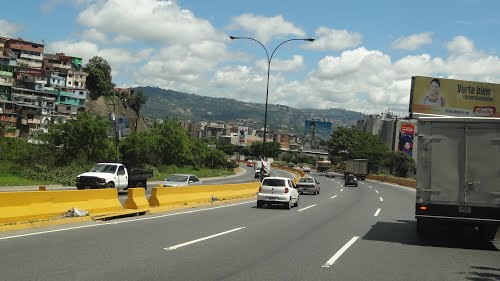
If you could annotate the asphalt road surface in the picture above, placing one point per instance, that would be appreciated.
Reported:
(344, 233)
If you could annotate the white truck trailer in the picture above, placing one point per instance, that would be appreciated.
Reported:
(458, 173)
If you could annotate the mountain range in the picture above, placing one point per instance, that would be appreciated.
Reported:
(183, 106)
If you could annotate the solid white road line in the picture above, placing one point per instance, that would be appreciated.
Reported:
(202, 239)
(376, 190)
(370, 186)
(123, 221)
(333, 196)
(377, 212)
(340, 252)
(306, 208)
(381, 199)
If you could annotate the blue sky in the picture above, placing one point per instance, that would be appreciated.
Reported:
(363, 58)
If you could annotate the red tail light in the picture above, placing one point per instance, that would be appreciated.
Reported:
(260, 188)
(286, 189)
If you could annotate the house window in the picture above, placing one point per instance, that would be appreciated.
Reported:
(68, 108)
(70, 75)
(69, 82)
(81, 93)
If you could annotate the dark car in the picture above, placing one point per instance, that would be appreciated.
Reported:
(351, 180)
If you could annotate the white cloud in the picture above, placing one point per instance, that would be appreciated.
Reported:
(334, 40)
(122, 61)
(9, 29)
(148, 20)
(460, 45)
(182, 67)
(94, 35)
(265, 28)
(295, 64)
(412, 42)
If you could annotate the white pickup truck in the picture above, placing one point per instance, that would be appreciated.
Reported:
(113, 175)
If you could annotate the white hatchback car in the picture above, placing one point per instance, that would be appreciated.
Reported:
(278, 190)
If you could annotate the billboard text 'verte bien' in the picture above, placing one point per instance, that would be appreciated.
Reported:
(449, 97)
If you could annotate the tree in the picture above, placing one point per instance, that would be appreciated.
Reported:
(273, 149)
(141, 148)
(175, 143)
(350, 143)
(398, 163)
(98, 78)
(136, 101)
(86, 136)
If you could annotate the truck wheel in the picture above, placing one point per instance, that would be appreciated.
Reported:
(488, 232)
(110, 184)
(139, 184)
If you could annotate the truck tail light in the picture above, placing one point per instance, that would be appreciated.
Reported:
(286, 190)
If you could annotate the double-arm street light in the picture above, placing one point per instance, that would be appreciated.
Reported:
(269, 58)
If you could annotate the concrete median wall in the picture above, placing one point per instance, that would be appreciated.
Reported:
(298, 174)
(37, 205)
(168, 196)
(400, 181)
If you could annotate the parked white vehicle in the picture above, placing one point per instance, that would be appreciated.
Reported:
(278, 190)
(113, 175)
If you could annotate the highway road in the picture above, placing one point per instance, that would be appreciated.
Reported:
(344, 233)
(247, 176)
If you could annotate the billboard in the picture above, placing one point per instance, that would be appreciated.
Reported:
(242, 136)
(406, 135)
(316, 135)
(448, 97)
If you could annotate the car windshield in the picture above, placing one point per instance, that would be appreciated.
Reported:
(103, 168)
(306, 180)
(177, 178)
(273, 182)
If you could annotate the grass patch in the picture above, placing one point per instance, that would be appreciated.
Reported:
(165, 171)
(10, 176)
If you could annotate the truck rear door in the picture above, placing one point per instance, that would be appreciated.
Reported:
(440, 177)
(482, 183)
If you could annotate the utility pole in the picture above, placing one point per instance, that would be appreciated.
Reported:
(115, 124)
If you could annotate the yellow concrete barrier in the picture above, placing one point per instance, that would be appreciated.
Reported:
(26, 206)
(136, 199)
(298, 174)
(167, 196)
(400, 181)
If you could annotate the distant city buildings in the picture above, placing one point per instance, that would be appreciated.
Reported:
(397, 133)
(37, 89)
(228, 134)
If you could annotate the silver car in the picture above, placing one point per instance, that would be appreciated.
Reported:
(181, 180)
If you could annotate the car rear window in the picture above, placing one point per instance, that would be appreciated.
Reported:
(350, 177)
(307, 180)
(273, 182)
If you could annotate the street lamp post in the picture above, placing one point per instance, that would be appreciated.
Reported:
(269, 58)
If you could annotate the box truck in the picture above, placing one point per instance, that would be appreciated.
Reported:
(458, 173)
(356, 167)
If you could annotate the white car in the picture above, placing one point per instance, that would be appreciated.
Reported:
(181, 180)
(278, 190)
(306, 169)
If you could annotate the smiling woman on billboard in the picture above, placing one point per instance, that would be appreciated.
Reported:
(434, 97)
